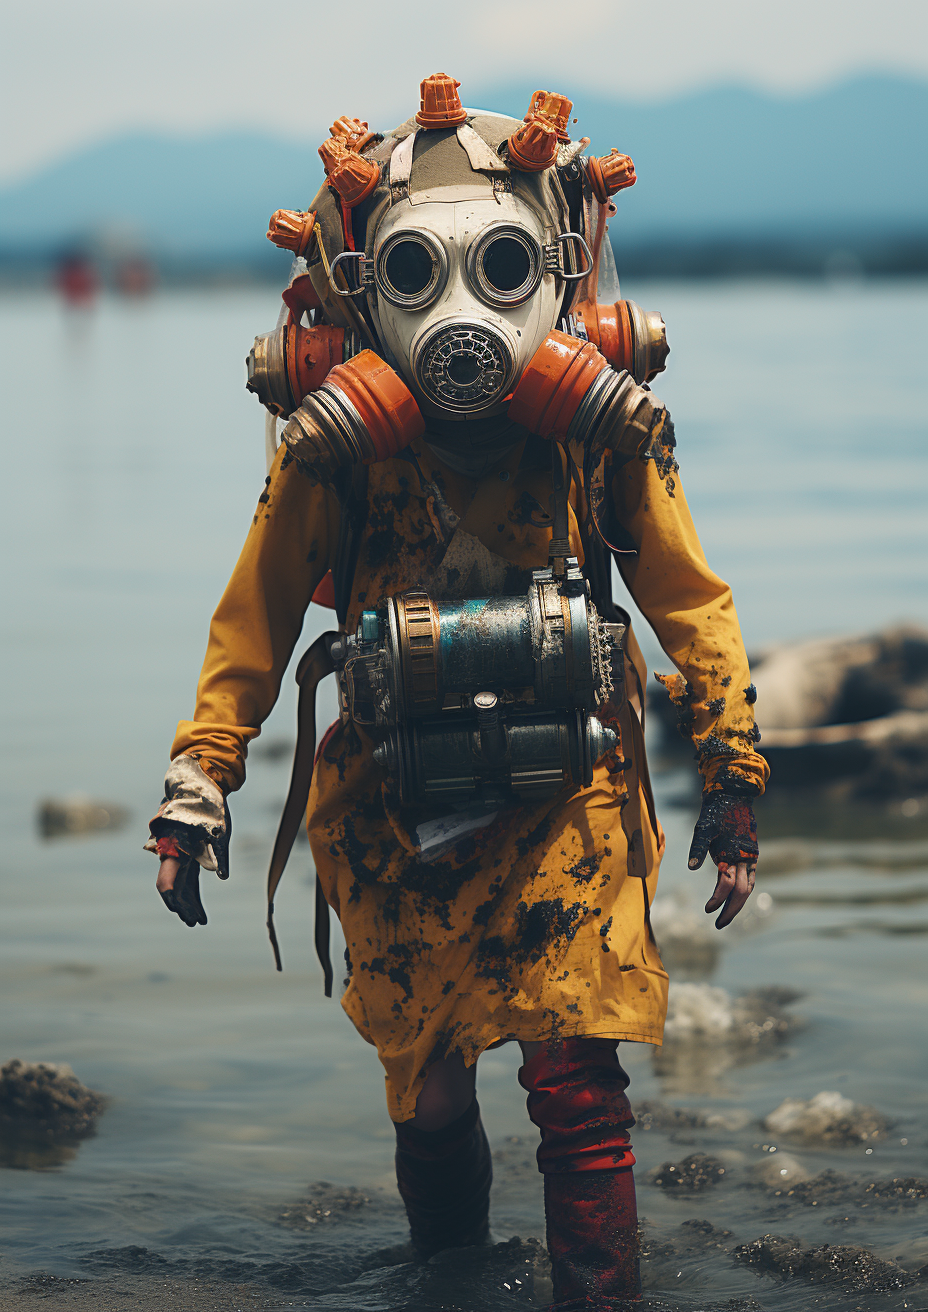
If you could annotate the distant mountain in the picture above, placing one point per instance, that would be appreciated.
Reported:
(726, 161)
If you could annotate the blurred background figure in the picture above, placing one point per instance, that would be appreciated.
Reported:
(135, 277)
(77, 280)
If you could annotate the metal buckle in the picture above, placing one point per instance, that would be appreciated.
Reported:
(554, 256)
(365, 273)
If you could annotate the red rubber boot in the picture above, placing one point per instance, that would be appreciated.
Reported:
(576, 1096)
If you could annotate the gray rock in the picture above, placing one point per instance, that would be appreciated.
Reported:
(44, 1112)
(828, 1118)
(70, 816)
(651, 1115)
(843, 717)
(709, 1031)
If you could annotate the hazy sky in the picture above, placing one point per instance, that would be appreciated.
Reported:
(72, 71)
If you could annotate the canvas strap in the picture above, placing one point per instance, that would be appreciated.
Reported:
(314, 666)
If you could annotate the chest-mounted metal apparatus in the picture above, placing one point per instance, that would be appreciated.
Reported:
(485, 701)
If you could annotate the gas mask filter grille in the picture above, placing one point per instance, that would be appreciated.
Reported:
(464, 366)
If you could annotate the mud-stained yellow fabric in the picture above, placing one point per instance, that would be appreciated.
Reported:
(257, 622)
(537, 927)
(696, 625)
(532, 930)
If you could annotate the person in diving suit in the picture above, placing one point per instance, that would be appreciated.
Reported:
(469, 422)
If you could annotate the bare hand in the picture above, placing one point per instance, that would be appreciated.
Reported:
(178, 883)
(727, 831)
(733, 888)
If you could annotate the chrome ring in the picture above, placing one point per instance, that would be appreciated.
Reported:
(477, 275)
(435, 285)
(342, 412)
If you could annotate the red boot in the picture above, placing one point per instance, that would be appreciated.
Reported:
(576, 1096)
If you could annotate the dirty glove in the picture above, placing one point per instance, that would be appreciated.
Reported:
(192, 827)
(727, 831)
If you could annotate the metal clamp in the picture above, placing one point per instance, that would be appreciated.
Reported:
(554, 256)
(365, 273)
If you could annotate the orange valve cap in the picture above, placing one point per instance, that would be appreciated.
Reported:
(292, 230)
(439, 103)
(352, 176)
(353, 132)
(387, 407)
(609, 174)
(553, 384)
(533, 147)
(554, 108)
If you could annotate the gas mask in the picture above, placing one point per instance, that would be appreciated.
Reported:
(438, 273)
(466, 291)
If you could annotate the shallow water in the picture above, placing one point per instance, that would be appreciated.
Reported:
(134, 459)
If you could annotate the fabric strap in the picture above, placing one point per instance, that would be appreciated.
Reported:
(314, 666)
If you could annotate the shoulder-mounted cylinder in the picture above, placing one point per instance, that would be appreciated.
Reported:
(629, 337)
(286, 364)
(570, 392)
(363, 412)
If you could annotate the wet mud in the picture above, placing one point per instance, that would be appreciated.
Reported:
(695, 1173)
(838, 1263)
(499, 1275)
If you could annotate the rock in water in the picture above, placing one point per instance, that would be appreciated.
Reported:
(44, 1112)
(708, 1031)
(69, 816)
(781, 1171)
(698, 1011)
(845, 718)
(695, 1173)
(828, 1118)
(650, 1115)
(854, 1267)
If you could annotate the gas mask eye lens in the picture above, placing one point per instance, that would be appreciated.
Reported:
(411, 270)
(505, 265)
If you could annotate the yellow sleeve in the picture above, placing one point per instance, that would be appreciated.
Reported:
(288, 550)
(692, 612)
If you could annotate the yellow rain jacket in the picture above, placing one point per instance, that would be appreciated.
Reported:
(533, 928)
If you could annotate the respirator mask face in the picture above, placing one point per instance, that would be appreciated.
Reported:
(464, 299)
